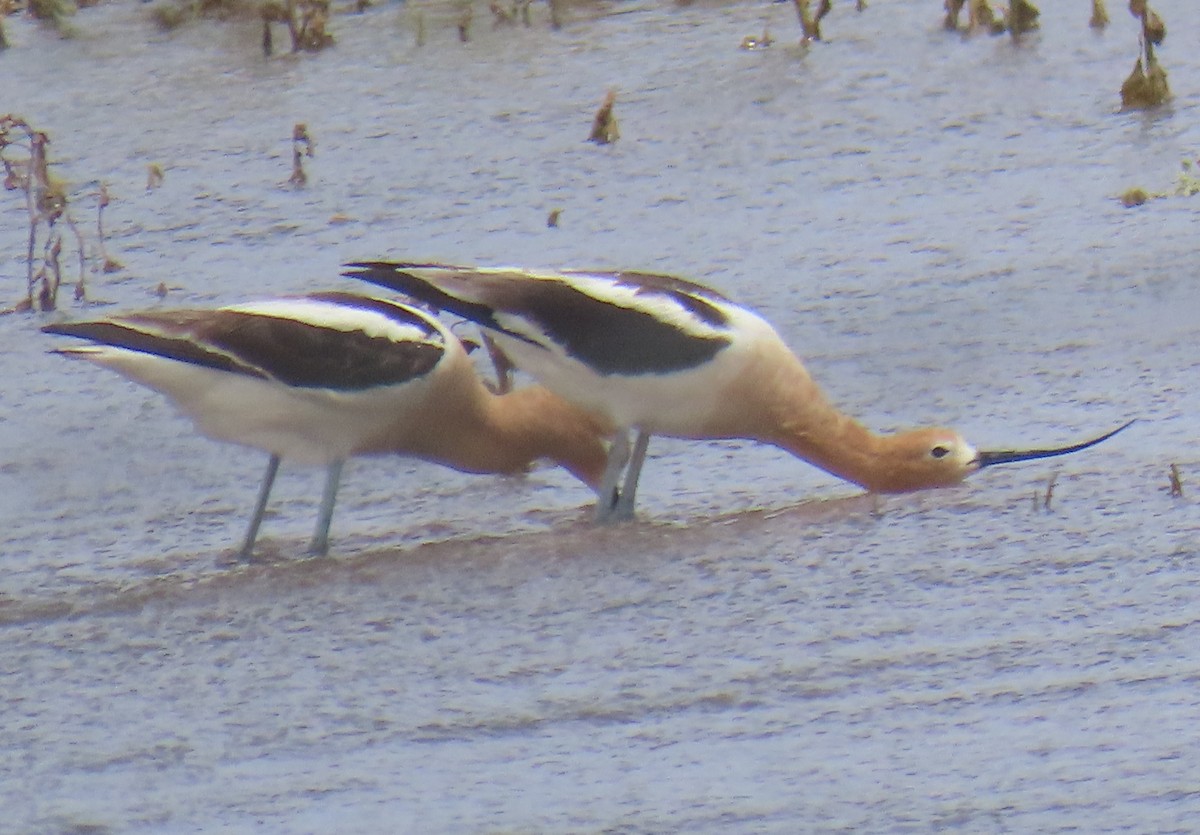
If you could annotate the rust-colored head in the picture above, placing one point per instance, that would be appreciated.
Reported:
(540, 424)
(941, 457)
(920, 459)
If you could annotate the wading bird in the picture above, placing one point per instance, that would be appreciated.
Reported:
(320, 378)
(657, 355)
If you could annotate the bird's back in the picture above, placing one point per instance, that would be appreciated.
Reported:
(310, 378)
(641, 349)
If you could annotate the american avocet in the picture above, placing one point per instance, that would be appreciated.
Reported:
(657, 355)
(320, 378)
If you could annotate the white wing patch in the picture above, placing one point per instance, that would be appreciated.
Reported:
(344, 318)
(610, 289)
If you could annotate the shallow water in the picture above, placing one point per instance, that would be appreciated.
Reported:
(931, 221)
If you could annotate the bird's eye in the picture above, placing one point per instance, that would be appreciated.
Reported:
(940, 451)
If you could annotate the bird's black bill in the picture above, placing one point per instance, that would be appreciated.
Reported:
(1008, 456)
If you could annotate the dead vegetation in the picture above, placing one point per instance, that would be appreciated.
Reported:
(460, 16)
(108, 264)
(1135, 197)
(1176, 482)
(171, 14)
(604, 124)
(24, 154)
(1019, 18)
(7, 7)
(1042, 501)
(57, 13)
(154, 176)
(810, 20)
(307, 21)
(302, 146)
(1022, 18)
(1146, 87)
(753, 42)
(1187, 184)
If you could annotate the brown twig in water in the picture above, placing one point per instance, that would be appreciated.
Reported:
(464, 23)
(420, 36)
(81, 250)
(110, 265)
(604, 125)
(302, 146)
(1050, 490)
(1099, 15)
(1176, 482)
(50, 275)
(154, 176)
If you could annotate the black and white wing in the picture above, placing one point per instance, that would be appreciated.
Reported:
(615, 323)
(338, 341)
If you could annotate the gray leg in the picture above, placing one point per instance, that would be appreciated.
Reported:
(618, 455)
(320, 540)
(624, 505)
(260, 507)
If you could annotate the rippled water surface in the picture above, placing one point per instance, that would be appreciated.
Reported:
(929, 220)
